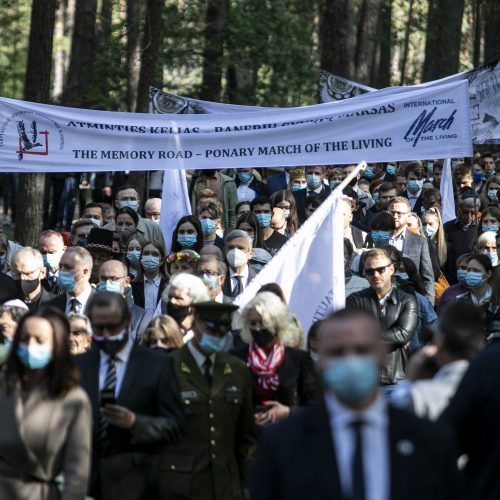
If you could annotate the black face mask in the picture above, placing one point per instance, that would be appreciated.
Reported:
(262, 337)
(27, 286)
(179, 313)
(113, 345)
(82, 242)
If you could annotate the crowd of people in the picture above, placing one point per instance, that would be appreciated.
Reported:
(127, 372)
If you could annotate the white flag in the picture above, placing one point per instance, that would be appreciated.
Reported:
(175, 203)
(448, 201)
(310, 266)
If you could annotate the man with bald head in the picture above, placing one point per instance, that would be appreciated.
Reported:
(354, 445)
(113, 277)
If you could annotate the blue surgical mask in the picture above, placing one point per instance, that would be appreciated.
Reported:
(351, 378)
(461, 274)
(211, 343)
(187, 240)
(493, 194)
(208, 226)
(493, 257)
(403, 276)
(414, 185)
(489, 174)
(264, 220)
(66, 281)
(133, 256)
(380, 238)
(493, 228)
(150, 263)
(245, 177)
(474, 279)
(110, 286)
(430, 231)
(133, 204)
(210, 281)
(478, 177)
(333, 184)
(376, 196)
(313, 181)
(298, 187)
(97, 222)
(390, 170)
(34, 356)
(368, 173)
(51, 261)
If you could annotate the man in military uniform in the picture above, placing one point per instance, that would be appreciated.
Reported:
(211, 461)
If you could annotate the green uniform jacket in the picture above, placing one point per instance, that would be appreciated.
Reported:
(211, 462)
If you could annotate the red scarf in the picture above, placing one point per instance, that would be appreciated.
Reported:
(264, 366)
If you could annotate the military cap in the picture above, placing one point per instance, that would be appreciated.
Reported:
(216, 316)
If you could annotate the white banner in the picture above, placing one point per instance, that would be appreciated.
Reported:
(446, 188)
(310, 266)
(431, 122)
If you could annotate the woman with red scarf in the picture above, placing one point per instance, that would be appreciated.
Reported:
(283, 376)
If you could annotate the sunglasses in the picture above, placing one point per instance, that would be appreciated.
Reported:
(380, 270)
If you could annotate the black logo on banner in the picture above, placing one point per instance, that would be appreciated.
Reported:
(426, 123)
(30, 145)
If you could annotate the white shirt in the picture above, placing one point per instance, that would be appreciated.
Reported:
(245, 193)
(234, 281)
(82, 301)
(151, 288)
(398, 241)
(219, 298)
(413, 198)
(200, 358)
(188, 336)
(375, 441)
(122, 359)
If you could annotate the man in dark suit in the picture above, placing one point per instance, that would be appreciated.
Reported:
(248, 187)
(354, 445)
(75, 269)
(135, 404)
(52, 248)
(315, 187)
(415, 177)
(8, 289)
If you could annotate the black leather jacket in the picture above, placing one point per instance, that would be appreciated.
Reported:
(397, 327)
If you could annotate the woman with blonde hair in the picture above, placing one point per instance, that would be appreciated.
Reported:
(163, 333)
(434, 232)
(282, 375)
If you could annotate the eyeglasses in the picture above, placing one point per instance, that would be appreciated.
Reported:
(19, 274)
(399, 214)
(379, 270)
(111, 279)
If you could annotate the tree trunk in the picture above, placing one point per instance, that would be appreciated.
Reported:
(491, 30)
(477, 33)
(366, 40)
(82, 59)
(153, 33)
(383, 74)
(442, 47)
(214, 34)
(406, 43)
(133, 52)
(337, 38)
(29, 213)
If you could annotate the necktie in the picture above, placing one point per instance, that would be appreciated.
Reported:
(358, 475)
(238, 287)
(52, 282)
(109, 386)
(207, 364)
(74, 305)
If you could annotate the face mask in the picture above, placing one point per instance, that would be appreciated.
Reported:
(368, 173)
(97, 222)
(35, 356)
(414, 185)
(493, 194)
(4, 352)
(298, 187)
(236, 257)
(461, 274)
(208, 226)
(334, 184)
(264, 220)
(313, 181)
(430, 231)
(133, 256)
(390, 170)
(430, 168)
(262, 337)
(111, 345)
(66, 281)
(51, 261)
(150, 263)
(156, 221)
(474, 279)
(127, 232)
(493, 257)
(245, 177)
(489, 174)
(287, 212)
(110, 286)
(82, 242)
(403, 276)
(351, 378)
(179, 313)
(493, 228)
(376, 196)
(210, 343)
(314, 356)
(210, 281)
(27, 286)
(133, 204)
(478, 177)
(257, 267)
(186, 240)
(2, 260)
(380, 238)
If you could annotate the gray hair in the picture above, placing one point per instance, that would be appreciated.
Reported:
(190, 284)
(237, 233)
(88, 326)
(32, 252)
(221, 267)
(83, 254)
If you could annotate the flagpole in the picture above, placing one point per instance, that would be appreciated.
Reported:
(359, 167)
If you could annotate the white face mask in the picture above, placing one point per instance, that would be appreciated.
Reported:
(236, 257)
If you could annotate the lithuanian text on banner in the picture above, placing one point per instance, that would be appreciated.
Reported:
(425, 123)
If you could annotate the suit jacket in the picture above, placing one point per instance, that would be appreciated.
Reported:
(300, 199)
(227, 286)
(55, 438)
(211, 461)
(297, 460)
(127, 466)
(260, 188)
(138, 292)
(44, 297)
(8, 288)
(417, 248)
(297, 382)
(397, 326)
(59, 302)
(277, 182)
